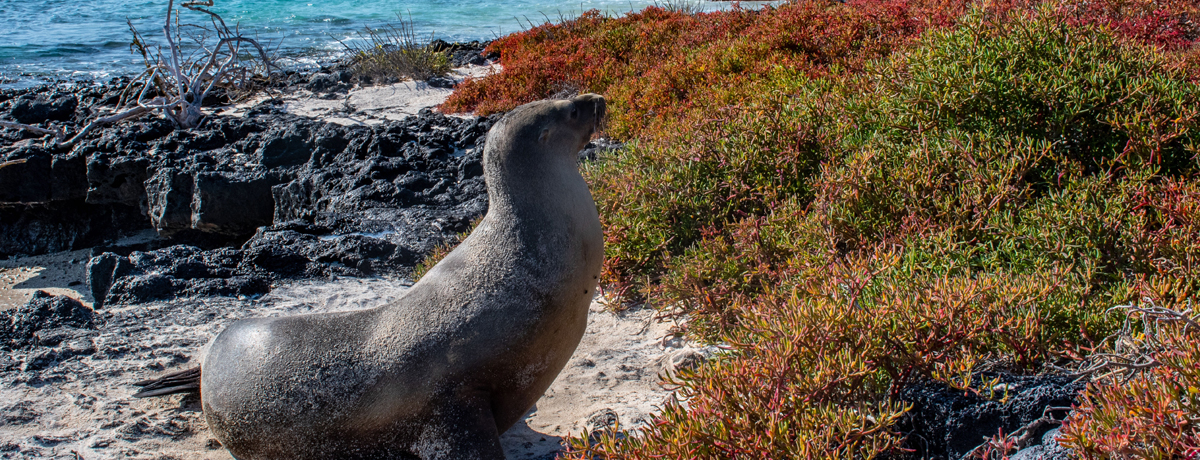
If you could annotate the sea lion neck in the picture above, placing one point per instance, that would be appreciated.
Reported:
(517, 186)
(531, 156)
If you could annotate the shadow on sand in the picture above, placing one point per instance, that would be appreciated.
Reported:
(523, 443)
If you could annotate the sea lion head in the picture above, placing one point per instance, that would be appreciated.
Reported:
(575, 121)
(558, 128)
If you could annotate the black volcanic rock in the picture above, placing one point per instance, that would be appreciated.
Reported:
(285, 145)
(42, 228)
(364, 201)
(594, 149)
(102, 270)
(57, 106)
(233, 203)
(1049, 449)
(175, 271)
(946, 423)
(169, 194)
(464, 53)
(427, 160)
(180, 271)
(19, 326)
(41, 177)
(238, 202)
(117, 179)
(68, 179)
(323, 82)
(441, 82)
(29, 181)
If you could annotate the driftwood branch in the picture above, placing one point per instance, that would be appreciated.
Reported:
(60, 141)
(175, 86)
(58, 134)
(1130, 355)
(30, 128)
(182, 83)
(131, 113)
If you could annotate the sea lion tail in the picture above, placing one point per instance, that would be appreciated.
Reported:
(187, 381)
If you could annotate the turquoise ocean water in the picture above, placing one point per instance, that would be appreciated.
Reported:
(42, 40)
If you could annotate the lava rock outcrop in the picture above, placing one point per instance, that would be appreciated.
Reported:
(238, 202)
(44, 320)
(947, 423)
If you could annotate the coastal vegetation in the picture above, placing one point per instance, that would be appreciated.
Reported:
(852, 197)
(394, 51)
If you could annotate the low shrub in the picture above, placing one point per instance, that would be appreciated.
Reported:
(394, 51)
(820, 358)
(856, 196)
(1147, 405)
(653, 64)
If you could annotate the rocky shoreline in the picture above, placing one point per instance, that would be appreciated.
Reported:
(176, 233)
(239, 202)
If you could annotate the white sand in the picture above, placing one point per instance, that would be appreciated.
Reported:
(59, 273)
(367, 105)
(81, 406)
(616, 368)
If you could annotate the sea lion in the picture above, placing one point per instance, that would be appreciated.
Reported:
(461, 356)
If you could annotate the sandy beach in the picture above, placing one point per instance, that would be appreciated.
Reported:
(365, 105)
(82, 407)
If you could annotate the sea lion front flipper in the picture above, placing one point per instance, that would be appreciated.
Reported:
(461, 433)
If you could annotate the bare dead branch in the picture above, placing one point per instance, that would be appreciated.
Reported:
(1134, 349)
(132, 113)
(1161, 314)
(58, 134)
(177, 84)
(30, 128)
(187, 80)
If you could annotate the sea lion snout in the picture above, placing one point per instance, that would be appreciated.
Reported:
(590, 104)
(587, 110)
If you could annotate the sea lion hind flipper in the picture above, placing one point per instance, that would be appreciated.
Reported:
(186, 381)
